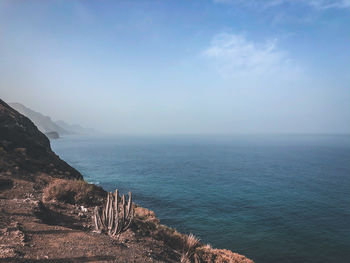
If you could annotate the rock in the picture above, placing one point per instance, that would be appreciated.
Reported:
(83, 209)
(5, 183)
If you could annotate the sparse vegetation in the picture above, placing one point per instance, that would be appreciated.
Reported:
(116, 216)
(191, 242)
(73, 192)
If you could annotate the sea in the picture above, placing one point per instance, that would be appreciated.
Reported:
(273, 198)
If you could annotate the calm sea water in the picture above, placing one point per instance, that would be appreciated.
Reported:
(271, 198)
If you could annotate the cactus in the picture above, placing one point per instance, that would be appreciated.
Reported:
(116, 216)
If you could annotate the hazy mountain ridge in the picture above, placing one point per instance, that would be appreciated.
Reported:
(46, 125)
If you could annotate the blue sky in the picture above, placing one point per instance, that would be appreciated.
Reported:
(181, 67)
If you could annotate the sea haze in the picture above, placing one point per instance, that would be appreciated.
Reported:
(273, 198)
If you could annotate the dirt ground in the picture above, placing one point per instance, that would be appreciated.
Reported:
(33, 231)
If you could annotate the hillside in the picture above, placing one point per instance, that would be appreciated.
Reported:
(24, 150)
(46, 209)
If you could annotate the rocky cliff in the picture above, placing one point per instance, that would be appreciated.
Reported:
(25, 150)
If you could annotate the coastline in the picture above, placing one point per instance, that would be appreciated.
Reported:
(62, 231)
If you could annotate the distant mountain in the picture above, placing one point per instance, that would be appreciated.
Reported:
(44, 123)
(52, 135)
(74, 128)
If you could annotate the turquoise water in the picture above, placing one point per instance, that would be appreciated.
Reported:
(271, 198)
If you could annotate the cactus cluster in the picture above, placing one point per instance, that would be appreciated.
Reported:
(116, 216)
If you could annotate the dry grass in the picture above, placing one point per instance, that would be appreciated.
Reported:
(207, 246)
(191, 242)
(73, 192)
(184, 259)
(187, 248)
(208, 254)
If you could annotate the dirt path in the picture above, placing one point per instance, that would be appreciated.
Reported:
(25, 238)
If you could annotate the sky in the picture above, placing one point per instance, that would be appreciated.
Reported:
(180, 67)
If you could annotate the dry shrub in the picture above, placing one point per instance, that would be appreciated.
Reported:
(208, 254)
(184, 259)
(208, 246)
(191, 242)
(170, 236)
(73, 192)
(145, 214)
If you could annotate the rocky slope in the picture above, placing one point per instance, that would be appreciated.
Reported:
(46, 208)
(25, 151)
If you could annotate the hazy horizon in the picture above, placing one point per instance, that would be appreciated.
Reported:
(183, 67)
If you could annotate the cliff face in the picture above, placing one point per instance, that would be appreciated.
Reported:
(41, 218)
(23, 148)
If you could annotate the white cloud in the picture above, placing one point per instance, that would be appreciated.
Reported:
(318, 4)
(325, 4)
(235, 56)
(331, 4)
(222, 1)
